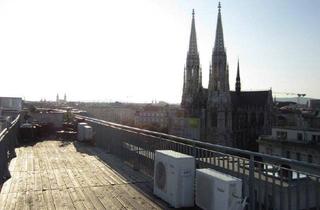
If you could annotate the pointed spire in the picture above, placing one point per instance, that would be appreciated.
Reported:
(184, 77)
(200, 77)
(219, 42)
(238, 71)
(238, 82)
(193, 48)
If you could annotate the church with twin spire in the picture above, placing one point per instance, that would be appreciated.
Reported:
(232, 118)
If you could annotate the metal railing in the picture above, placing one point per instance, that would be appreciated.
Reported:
(269, 182)
(8, 142)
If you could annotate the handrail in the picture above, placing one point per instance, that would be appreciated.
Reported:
(5, 130)
(2, 133)
(204, 144)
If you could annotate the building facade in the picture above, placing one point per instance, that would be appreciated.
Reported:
(151, 115)
(293, 143)
(231, 118)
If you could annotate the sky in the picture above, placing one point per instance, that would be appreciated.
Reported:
(135, 51)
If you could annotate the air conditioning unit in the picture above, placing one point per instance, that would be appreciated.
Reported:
(88, 134)
(217, 191)
(81, 131)
(174, 178)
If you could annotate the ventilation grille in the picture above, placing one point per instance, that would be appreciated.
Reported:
(161, 176)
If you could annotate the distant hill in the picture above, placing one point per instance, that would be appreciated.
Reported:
(302, 100)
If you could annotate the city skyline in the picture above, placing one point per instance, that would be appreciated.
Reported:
(107, 52)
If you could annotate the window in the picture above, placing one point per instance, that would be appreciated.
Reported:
(310, 158)
(288, 154)
(282, 135)
(299, 136)
(298, 156)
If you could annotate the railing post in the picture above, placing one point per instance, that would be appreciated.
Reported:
(194, 149)
(251, 183)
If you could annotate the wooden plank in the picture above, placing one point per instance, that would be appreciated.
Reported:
(57, 200)
(30, 160)
(48, 199)
(52, 179)
(36, 166)
(11, 201)
(3, 200)
(104, 195)
(148, 202)
(135, 198)
(59, 179)
(24, 164)
(93, 198)
(77, 200)
(20, 201)
(147, 189)
(72, 178)
(29, 200)
(17, 181)
(30, 181)
(44, 180)
(90, 178)
(81, 180)
(45, 158)
(66, 179)
(115, 194)
(14, 177)
(85, 200)
(22, 186)
(42, 161)
(38, 200)
(37, 181)
(67, 202)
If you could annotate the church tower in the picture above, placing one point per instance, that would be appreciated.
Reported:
(238, 82)
(219, 114)
(192, 79)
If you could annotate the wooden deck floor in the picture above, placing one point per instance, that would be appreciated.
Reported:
(68, 175)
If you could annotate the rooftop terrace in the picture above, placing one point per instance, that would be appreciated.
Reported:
(69, 175)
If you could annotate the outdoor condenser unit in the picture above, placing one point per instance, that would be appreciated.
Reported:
(174, 178)
(81, 131)
(88, 134)
(217, 191)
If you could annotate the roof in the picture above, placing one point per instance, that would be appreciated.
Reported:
(250, 98)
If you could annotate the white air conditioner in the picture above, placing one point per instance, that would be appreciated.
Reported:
(88, 134)
(217, 191)
(81, 131)
(174, 178)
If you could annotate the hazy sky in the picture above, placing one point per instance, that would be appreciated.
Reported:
(135, 50)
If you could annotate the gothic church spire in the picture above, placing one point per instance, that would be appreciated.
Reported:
(193, 48)
(192, 75)
(219, 43)
(238, 82)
